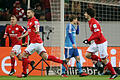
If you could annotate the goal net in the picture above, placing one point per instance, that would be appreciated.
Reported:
(107, 13)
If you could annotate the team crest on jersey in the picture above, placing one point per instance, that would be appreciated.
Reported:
(94, 25)
(12, 31)
(17, 28)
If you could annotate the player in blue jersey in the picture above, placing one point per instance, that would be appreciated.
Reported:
(70, 45)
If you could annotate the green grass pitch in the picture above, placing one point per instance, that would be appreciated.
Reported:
(75, 77)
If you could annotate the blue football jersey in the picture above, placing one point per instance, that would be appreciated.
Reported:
(70, 28)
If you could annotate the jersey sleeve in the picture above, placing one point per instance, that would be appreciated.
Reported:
(95, 34)
(77, 30)
(36, 24)
(22, 29)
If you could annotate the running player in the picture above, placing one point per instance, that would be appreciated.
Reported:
(36, 44)
(100, 42)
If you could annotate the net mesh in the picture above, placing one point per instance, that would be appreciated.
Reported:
(55, 10)
(106, 10)
(107, 13)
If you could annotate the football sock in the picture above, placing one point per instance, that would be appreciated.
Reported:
(12, 62)
(79, 66)
(63, 69)
(110, 68)
(28, 61)
(54, 59)
(25, 65)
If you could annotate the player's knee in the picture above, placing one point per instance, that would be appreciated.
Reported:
(19, 57)
(12, 54)
(78, 59)
(44, 55)
(25, 54)
(94, 62)
(67, 60)
(105, 60)
(88, 55)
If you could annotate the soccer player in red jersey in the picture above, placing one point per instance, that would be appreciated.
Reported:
(14, 31)
(100, 42)
(36, 44)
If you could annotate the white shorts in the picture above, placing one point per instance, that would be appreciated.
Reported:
(38, 47)
(16, 49)
(102, 48)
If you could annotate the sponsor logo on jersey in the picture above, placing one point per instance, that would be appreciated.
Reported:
(96, 30)
(13, 35)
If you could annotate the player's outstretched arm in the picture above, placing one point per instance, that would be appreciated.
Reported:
(94, 36)
(24, 35)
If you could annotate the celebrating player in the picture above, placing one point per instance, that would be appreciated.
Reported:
(36, 44)
(14, 30)
(100, 42)
(70, 45)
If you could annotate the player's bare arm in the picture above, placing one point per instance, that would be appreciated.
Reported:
(5, 36)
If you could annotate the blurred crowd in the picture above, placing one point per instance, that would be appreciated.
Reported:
(19, 7)
(106, 10)
(43, 11)
(105, 1)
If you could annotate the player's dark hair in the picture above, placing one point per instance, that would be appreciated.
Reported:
(31, 9)
(13, 16)
(37, 5)
(91, 12)
(72, 17)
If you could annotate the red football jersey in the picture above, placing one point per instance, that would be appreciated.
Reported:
(14, 32)
(97, 35)
(34, 37)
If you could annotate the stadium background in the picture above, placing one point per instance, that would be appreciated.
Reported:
(107, 13)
